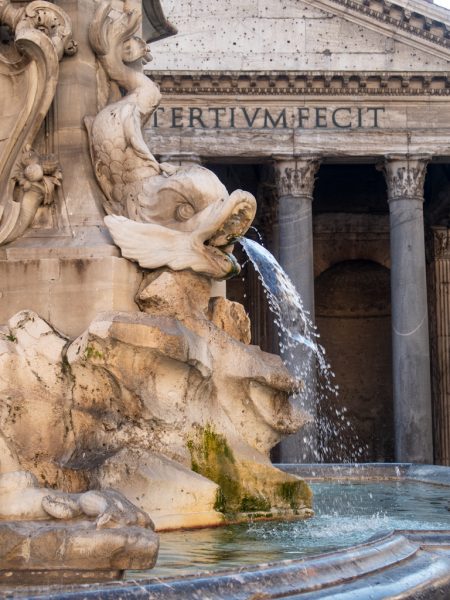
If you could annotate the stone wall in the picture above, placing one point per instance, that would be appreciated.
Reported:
(280, 35)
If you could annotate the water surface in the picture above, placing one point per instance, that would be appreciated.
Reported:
(346, 514)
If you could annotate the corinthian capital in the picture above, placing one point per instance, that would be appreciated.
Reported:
(405, 176)
(296, 176)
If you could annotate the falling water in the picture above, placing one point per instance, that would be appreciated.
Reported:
(304, 356)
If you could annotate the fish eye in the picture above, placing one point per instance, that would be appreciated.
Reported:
(184, 211)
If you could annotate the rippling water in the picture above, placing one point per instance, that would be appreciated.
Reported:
(346, 514)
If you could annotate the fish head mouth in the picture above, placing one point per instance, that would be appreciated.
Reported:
(229, 220)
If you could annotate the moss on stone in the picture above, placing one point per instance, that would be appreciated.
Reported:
(251, 503)
(212, 457)
(257, 490)
(292, 493)
(91, 352)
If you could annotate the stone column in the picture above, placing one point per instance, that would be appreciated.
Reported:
(405, 177)
(218, 288)
(295, 182)
(440, 310)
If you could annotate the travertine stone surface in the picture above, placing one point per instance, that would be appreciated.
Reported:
(67, 292)
(166, 407)
(53, 532)
(315, 35)
(231, 317)
(57, 551)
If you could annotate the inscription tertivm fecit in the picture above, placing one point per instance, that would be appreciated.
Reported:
(240, 117)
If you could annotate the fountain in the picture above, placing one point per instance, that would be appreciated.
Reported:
(166, 411)
(148, 409)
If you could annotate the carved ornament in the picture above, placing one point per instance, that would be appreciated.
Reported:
(317, 83)
(405, 176)
(408, 22)
(441, 238)
(158, 214)
(41, 34)
(296, 177)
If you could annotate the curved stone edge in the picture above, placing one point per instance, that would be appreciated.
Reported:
(400, 563)
(434, 474)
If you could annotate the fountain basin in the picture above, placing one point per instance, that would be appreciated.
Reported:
(402, 564)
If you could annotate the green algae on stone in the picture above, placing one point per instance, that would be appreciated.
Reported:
(212, 457)
(241, 488)
(251, 503)
(294, 493)
(91, 352)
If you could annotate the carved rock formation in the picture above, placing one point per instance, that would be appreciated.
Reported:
(50, 534)
(167, 407)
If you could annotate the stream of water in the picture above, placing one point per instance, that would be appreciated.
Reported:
(305, 358)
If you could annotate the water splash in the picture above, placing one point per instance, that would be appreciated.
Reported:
(305, 358)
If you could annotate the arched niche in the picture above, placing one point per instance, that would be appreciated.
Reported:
(353, 316)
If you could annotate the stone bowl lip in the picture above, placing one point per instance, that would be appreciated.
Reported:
(380, 567)
(401, 471)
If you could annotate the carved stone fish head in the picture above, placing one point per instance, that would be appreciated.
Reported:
(184, 218)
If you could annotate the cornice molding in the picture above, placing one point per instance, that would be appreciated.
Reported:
(292, 83)
(407, 21)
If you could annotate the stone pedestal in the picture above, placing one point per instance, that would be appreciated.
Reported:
(68, 292)
(66, 267)
(441, 321)
(405, 177)
(295, 182)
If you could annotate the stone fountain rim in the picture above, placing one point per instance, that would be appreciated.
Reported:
(401, 563)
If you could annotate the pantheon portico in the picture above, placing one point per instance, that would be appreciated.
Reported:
(339, 112)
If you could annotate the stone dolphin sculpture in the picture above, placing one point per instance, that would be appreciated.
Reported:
(158, 214)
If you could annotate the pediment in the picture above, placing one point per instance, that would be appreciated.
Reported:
(419, 23)
(356, 35)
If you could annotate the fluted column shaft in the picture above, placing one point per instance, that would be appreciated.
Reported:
(410, 338)
(295, 182)
(441, 370)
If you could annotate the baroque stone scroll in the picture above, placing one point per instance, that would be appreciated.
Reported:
(40, 33)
